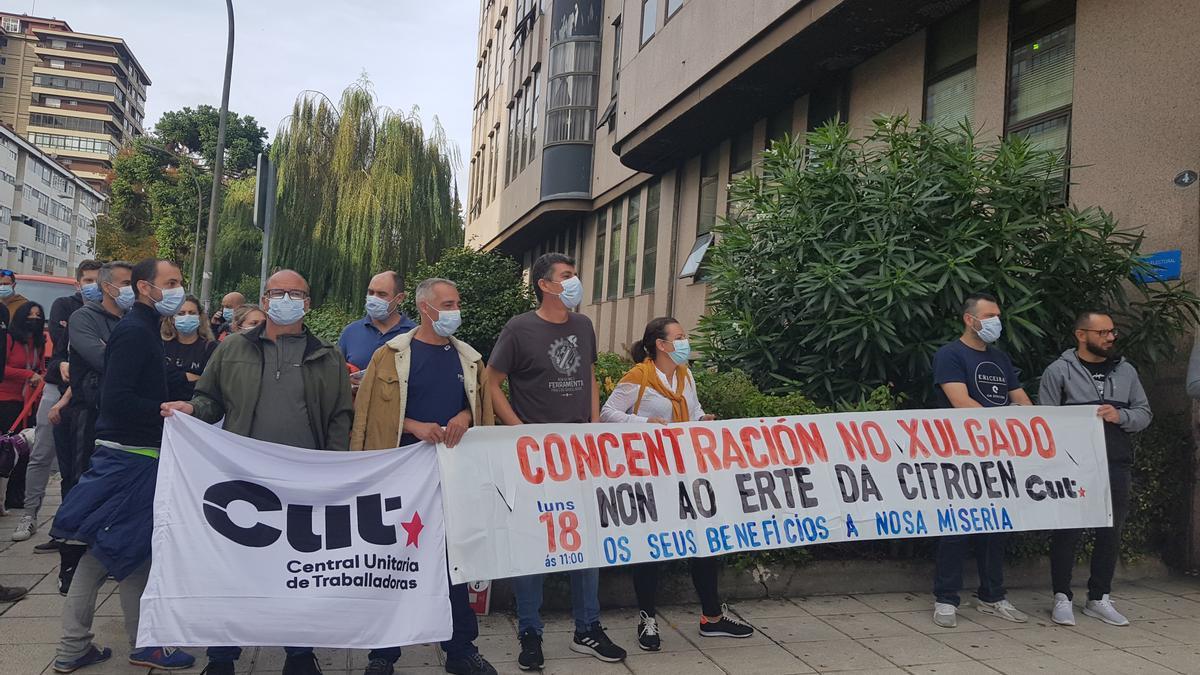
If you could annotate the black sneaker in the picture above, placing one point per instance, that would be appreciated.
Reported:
(531, 657)
(379, 667)
(218, 668)
(474, 664)
(50, 546)
(725, 627)
(596, 643)
(648, 638)
(302, 664)
(12, 593)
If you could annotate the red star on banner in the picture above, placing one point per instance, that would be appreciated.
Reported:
(413, 528)
(1082, 492)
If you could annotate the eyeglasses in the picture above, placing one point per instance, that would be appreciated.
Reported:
(1111, 332)
(278, 293)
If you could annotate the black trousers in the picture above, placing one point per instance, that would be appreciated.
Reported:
(704, 578)
(1064, 543)
(15, 497)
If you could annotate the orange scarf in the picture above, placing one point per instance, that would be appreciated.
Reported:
(645, 374)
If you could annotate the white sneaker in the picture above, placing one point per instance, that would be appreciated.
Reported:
(1002, 609)
(945, 615)
(1063, 613)
(1104, 610)
(25, 529)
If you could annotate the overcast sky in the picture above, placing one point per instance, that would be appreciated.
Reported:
(414, 52)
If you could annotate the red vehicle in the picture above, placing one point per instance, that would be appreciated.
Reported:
(44, 290)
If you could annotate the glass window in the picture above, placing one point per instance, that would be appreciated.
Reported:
(741, 154)
(950, 100)
(650, 245)
(1042, 73)
(691, 266)
(707, 217)
(649, 19)
(533, 116)
(827, 104)
(616, 62)
(950, 69)
(779, 125)
(614, 253)
(633, 221)
(673, 6)
(598, 270)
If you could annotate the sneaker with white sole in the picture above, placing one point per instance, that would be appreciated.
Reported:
(1002, 609)
(649, 639)
(1063, 613)
(945, 615)
(1104, 610)
(25, 529)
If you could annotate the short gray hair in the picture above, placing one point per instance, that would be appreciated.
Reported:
(425, 288)
(106, 270)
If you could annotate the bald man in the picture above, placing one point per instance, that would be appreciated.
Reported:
(280, 383)
(383, 321)
(229, 304)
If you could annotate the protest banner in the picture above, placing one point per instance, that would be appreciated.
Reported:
(263, 544)
(544, 498)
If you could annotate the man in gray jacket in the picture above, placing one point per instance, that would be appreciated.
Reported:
(1091, 374)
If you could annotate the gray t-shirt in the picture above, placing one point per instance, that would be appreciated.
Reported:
(549, 367)
(281, 415)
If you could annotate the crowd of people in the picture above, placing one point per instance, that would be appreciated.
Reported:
(130, 347)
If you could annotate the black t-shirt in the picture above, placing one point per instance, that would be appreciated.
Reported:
(436, 391)
(1099, 372)
(549, 367)
(989, 374)
(182, 359)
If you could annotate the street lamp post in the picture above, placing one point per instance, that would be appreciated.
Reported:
(218, 166)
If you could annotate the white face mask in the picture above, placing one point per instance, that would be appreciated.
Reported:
(572, 292)
(989, 329)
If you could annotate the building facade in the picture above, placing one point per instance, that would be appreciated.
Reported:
(47, 213)
(611, 129)
(77, 96)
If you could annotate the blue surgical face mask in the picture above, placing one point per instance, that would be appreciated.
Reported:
(572, 292)
(187, 324)
(378, 308)
(125, 298)
(989, 329)
(447, 322)
(91, 292)
(285, 311)
(227, 314)
(171, 301)
(683, 349)
(7, 290)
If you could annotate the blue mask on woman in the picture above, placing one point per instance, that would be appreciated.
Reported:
(187, 324)
(683, 349)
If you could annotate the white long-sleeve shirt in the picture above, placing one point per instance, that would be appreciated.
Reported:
(619, 406)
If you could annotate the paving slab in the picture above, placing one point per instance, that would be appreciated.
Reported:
(833, 655)
(912, 650)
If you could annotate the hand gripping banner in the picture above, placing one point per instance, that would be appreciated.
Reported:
(263, 544)
(544, 498)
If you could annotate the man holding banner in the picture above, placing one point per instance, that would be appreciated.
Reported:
(1091, 374)
(276, 383)
(970, 373)
(548, 357)
(424, 385)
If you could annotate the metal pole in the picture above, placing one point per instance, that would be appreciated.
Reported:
(268, 221)
(199, 221)
(218, 166)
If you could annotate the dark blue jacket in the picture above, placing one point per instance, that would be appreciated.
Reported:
(134, 385)
(360, 339)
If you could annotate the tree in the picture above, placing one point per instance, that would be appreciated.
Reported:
(361, 189)
(843, 267)
(238, 253)
(490, 286)
(196, 131)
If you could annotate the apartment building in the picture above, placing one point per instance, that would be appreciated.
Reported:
(77, 96)
(47, 213)
(611, 129)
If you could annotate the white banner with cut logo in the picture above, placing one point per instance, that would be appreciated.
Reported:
(263, 544)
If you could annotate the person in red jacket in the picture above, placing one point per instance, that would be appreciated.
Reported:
(26, 360)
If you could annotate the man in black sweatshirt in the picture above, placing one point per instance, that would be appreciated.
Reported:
(111, 509)
(1092, 374)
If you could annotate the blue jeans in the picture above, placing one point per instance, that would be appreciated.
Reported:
(585, 600)
(231, 654)
(461, 644)
(989, 559)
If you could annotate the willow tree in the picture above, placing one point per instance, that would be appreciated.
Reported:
(361, 189)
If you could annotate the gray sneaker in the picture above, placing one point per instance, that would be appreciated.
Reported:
(25, 528)
(1104, 610)
(945, 615)
(1063, 613)
(1002, 609)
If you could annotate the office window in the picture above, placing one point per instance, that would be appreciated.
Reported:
(741, 154)
(708, 191)
(533, 117)
(523, 129)
(631, 242)
(508, 147)
(598, 270)
(779, 125)
(673, 6)
(649, 19)
(830, 103)
(614, 252)
(650, 245)
(616, 62)
(950, 69)
(691, 266)
(12, 25)
(58, 63)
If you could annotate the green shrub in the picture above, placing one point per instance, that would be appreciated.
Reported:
(327, 321)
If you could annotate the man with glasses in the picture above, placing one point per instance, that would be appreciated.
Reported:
(1093, 374)
(279, 383)
(9, 296)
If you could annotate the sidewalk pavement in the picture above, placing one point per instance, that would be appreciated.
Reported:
(865, 633)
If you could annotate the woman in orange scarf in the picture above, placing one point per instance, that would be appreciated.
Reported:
(660, 389)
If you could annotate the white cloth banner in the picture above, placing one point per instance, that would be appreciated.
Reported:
(533, 499)
(257, 544)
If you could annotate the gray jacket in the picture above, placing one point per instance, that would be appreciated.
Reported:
(1067, 382)
(88, 328)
